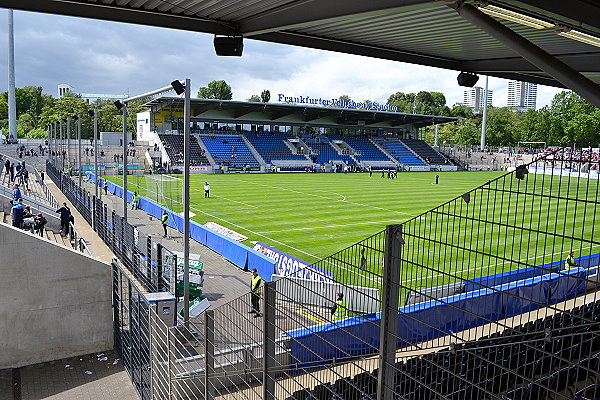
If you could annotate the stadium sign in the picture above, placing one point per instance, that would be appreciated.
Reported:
(365, 105)
(288, 265)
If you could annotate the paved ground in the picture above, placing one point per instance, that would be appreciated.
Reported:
(93, 376)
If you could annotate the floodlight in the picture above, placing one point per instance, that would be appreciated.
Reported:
(579, 36)
(514, 16)
(178, 87)
(118, 104)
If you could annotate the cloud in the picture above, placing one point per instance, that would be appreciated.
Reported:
(108, 57)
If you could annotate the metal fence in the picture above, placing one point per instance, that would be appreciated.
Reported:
(469, 300)
(473, 299)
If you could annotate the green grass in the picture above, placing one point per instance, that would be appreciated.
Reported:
(312, 216)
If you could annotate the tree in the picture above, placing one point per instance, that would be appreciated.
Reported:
(254, 98)
(216, 90)
(265, 96)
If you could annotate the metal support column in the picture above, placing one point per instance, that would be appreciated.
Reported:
(79, 147)
(389, 314)
(69, 142)
(269, 341)
(159, 268)
(484, 121)
(149, 261)
(560, 71)
(60, 143)
(186, 201)
(96, 152)
(209, 351)
(125, 161)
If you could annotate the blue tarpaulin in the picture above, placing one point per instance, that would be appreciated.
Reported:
(359, 336)
(239, 254)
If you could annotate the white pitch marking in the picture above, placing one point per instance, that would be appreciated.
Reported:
(328, 226)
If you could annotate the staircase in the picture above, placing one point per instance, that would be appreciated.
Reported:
(50, 235)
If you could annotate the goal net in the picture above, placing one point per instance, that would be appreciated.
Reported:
(165, 190)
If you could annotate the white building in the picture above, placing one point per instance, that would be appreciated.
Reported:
(474, 98)
(64, 88)
(522, 95)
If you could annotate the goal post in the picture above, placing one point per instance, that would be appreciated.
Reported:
(527, 144)
(165, 190)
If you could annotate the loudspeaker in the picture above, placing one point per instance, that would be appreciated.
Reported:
(229, 46)
(467, 79)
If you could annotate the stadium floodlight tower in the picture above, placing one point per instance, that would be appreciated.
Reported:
(180, 87)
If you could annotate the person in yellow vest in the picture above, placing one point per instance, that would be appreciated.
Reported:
(570, 261)
(105, 187)
(340, 308)
(255, 287)
(135, 203)
(165, 222)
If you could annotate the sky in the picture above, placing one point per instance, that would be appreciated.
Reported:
(108, 57)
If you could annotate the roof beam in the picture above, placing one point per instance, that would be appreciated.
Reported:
(117, 13)
(585, 62)
(303, 14)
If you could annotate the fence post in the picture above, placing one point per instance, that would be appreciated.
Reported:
(94, 213)
(389, 314)
(149, 262)
(159, 267)
(114, 230)
(209, 346)
(269, 341)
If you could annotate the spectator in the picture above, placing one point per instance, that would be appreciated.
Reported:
(28, 219)
(17, 213)
(17, 192)
(65, 218)
(39, 224)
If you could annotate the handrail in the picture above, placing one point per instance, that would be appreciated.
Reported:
(49, 196)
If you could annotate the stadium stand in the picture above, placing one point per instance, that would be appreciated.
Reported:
(229, 150)
(361, 143)
(271, 146)
(425, 151)
(322, 150)
(399, 151)
(174, 146)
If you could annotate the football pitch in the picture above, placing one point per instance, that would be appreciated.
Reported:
(310, 216)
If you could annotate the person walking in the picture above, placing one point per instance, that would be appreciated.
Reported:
(206, 190)
(165, 222)
(65, 218)
(340, 308)
(437, 179)
(570, 261)
(135, 202)
(255, 288)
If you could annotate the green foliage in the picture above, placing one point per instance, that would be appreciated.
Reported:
(265, 96)
(216, 90)
(255, 98)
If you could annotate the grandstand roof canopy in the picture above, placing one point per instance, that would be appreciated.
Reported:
(426, 32)
(243, 112)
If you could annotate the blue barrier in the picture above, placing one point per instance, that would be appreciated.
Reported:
(592, 260)
(239, 254)
(358, 336)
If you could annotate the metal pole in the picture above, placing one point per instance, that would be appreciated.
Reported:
(389, 312)
(79, 146)
(560, 71)
(268, 341)
(435, 136)
(125, 161)
(209, 351)
(53, 144)
(96, 150)
(61, 145)
(485, 107)
(12, 104)
(186, 201)
(68, 142)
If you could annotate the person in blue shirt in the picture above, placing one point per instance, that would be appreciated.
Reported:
(65, 218)
(17, 192)
(17, 213)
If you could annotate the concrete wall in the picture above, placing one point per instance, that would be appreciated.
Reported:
(54, 302)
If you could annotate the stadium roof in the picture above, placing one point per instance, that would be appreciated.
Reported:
(243, 112)
(438, 33)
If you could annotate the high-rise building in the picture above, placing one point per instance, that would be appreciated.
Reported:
(522, 95)
(474, 98)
